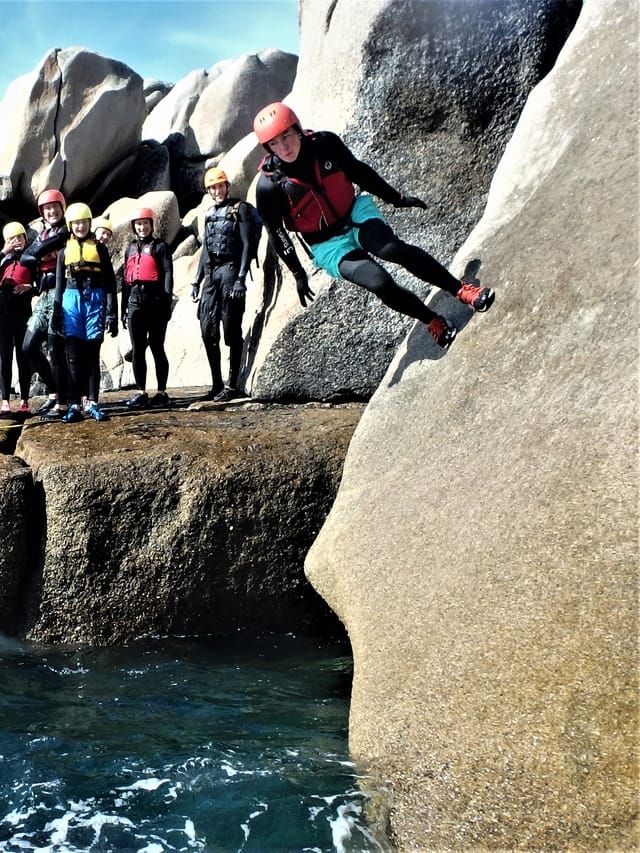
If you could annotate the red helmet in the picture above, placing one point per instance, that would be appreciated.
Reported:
(49, 197)
(273, 120)
(143, 213)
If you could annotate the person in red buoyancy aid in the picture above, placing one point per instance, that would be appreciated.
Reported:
(146, 306)
(306, 185)
(17, 289)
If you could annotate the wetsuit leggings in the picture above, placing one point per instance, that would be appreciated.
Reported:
(13, 327)
(378, 239)
(54, 374)
(83, 359)
(217, 306)
(147, 325)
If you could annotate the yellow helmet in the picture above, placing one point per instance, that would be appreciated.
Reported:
(13, 229)
(214, 175)
(102, 222)
(76, 212)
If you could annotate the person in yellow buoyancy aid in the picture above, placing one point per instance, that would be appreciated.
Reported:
(85, 304)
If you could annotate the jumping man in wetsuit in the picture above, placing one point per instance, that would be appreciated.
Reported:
(306, 185)
(224, 263)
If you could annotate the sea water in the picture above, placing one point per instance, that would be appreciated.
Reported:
(180, 744)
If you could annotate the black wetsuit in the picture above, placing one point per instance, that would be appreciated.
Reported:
(15, 310)
(52, 371)
(146, 308)
(224, 262)
(376, 236)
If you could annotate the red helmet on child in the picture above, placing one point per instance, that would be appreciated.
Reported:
(273, 120)
(143, 213)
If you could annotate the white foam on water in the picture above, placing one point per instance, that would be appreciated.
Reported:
(15, 817)
(342, 826)
(151, 848)
(233, 771)
(190, 830)
(263, 807)
(144, 784)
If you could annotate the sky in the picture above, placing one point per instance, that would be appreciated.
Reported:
(158, 39)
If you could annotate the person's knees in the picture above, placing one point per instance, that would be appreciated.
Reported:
(392, 251)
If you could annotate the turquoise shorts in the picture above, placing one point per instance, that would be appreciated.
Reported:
(328, 255)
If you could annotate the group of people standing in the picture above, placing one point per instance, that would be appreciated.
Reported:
(69, 268)
(306, 186)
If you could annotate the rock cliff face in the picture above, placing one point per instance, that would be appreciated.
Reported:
(180, 522)
(483, 548)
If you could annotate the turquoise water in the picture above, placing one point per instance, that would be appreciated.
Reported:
(207, 745)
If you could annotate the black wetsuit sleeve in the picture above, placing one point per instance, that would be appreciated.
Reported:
(201, 267)
(244, 230)
(273, 205)
(165, 263)
(39, 248)
(108, 280)
(61, 281)
(358, 172)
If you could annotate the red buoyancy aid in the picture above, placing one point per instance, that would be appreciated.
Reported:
(48, 262)
(141, 264)
(314, 208)
(15, 273)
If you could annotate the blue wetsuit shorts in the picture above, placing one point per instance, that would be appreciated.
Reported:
(327, 255)
(84, 313)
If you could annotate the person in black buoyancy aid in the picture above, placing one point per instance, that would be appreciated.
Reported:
(17, 289)
(224, 263)
(85, 304)
(41, 256)
(307, 185)
(146, 306)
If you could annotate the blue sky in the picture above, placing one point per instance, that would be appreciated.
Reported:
(159, 39)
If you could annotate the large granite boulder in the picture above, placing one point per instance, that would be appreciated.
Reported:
(483, 548)
(75, 116)
(225, 109)
(428, 93)
(172, 113)
(185, 521)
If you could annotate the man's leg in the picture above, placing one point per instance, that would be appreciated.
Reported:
(378, 238)
(209, 316)
(359, 268)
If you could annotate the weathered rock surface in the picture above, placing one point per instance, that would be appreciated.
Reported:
(483, 547)
(18, 529)
(183, 521)
(172, 113)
